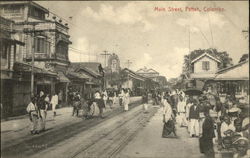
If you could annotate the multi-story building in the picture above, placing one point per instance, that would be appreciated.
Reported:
(46, 41)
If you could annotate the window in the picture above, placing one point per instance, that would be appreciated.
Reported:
(37, 13)
(205, 65)
(4, 50)
(12, 9)
(41, 45)
(62, 50)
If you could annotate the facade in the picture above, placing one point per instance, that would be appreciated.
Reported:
(94, 75)
(46, 41)
(112, 72)
(234, 80)
(148, 73)
(204, 68)
(8, 47)
(131, 80)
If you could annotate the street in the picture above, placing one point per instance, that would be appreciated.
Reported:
(120, 134)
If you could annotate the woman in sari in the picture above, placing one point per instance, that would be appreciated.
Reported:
(168, 119)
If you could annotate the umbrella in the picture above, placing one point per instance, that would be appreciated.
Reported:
(193, 92)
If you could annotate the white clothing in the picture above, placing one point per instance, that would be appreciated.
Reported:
(167, 110)
(126, 101)
(194, 127)
(245, 122)
(105, 96)
(181, 106)
(54, 102)
(43, 119)
(31, 108)
(97, 95)
(225, 127)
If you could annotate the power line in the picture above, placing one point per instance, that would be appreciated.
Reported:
(211, 30)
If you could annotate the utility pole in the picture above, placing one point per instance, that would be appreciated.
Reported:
(32, 61)
(105, 56)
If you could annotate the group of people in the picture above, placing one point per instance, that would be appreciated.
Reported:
(37, 110)
(193, 112)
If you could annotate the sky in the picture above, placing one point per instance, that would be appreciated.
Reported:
(147, 36)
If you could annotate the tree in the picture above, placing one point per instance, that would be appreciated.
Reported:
(244, 57)
(226, 61)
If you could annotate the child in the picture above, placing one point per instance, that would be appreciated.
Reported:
(33, 113)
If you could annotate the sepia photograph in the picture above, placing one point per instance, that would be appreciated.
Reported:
(124, 79)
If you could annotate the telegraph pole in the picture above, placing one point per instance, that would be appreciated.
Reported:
(32, 61)
(105, 55)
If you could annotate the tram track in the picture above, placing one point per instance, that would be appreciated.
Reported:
(50, 139)
(110, 144)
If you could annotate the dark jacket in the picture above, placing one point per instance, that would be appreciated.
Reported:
(41, 102)
(208, 128)
(194, 113)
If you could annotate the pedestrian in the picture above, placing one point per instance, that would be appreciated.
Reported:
(54, 102)
(206, 140)
(181, 106)
(168, 120)
(42, 110)
(33, 114)
(126, 99)
(121, 95)
(76, 104)
(194, 119)
(114, 98)
(174, 102)
(105, 97)
(145, 102)
(100, 103)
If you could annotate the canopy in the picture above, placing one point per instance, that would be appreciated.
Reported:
(236, 72)
(62, 77)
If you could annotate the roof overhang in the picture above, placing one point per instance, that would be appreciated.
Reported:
(205, 54)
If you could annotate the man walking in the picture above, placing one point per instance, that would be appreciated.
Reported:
(33, 113)
(54, 102)
(42, 109)
(194, 119)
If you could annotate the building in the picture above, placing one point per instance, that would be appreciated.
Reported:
(203, 71)
(8, 46)
(234, 80)
(112, 72)
(148, 73)
(45, 37)
(94, 74)
(131, 80)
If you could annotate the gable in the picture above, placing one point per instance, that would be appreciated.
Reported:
(205, 55)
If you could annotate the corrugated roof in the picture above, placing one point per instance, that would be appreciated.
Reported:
(91, 67)
(236, 72)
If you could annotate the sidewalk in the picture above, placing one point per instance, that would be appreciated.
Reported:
(18, 129)
(149, 143)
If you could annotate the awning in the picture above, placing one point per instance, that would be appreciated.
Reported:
(237, 72)
(62, 77)
(25, 67)
(202, 75)
(77, 75)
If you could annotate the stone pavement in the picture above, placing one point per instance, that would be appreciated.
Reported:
(149, 143)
